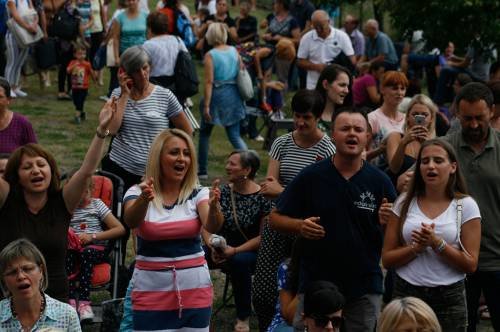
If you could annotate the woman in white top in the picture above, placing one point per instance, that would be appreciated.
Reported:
(16, 56)
(387, 119)
(432, 238)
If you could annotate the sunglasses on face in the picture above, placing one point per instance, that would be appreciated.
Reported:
(322, 321)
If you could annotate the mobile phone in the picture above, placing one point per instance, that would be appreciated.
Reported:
(419, 119)
(130, 83)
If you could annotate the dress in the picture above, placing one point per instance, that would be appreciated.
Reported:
(275, 246)
(48, 230)
(171, 283)
(57, 316)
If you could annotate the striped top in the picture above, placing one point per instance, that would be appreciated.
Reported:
(170, 234)
(89, 219)
(294, 158)
(172, 290)
(85, 11)
(142, 121)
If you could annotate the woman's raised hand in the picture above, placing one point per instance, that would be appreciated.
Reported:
(147, 190)
(106, 114)
(125, 81)
(214, 194)
(425, 236)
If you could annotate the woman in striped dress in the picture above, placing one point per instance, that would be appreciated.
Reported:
(171, 286)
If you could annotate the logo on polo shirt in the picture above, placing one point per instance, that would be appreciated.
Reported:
(366, 201)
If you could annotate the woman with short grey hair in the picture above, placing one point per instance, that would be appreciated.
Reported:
(23, 281)
(222, 103)
(143, 110)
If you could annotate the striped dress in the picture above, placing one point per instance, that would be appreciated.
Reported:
(171, 286)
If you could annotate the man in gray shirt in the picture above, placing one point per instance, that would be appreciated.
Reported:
(478, 150)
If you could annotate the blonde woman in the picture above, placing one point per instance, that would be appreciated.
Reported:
(420, 125)
(408, 314)
(222, 103)
(171, 287)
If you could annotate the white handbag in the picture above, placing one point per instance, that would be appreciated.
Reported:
(110, 54)
(245, 84)
(23, 37)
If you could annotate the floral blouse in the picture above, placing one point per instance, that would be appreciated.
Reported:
(250, 209)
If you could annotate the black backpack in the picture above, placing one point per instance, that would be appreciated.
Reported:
(186, 78)
(65, 25)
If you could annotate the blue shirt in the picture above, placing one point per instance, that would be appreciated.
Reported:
(349, 254)
(57, 315)
(132, 31)
(381, 44)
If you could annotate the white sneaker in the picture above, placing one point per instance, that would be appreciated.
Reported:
(86, 313)
(20, 93)
(12, 94)
(258, 138)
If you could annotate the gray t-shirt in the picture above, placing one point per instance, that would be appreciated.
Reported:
(480, 62)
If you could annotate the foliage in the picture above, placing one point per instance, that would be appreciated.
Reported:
(460, 21)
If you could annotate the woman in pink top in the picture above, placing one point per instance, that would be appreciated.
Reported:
(365, 90)
(387, 119)
(15, 129)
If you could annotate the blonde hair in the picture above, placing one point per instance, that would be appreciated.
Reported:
(409, 307)
(421, 99)
(216, 34)
(153, 167)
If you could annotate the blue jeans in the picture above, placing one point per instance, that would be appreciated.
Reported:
(241, 268)
(127, 320)
(489, 283)
(233, 134)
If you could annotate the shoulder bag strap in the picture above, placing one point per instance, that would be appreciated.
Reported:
(235, 217)
(459, 225)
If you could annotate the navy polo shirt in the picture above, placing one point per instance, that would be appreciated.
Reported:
(349, 254)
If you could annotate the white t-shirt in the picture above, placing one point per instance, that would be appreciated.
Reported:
(382, 125)
(163, 51)
(210, 6)
(428, 269)
(319, 50)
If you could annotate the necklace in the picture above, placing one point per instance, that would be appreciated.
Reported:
(14, 313)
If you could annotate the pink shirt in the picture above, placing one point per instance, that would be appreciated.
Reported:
(382, 125)
(359, 89)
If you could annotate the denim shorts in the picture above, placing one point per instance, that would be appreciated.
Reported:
(448, 302)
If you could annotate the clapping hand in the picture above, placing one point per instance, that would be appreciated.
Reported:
(426, 236)
(311, 229)
(147, 190)
(271, 187)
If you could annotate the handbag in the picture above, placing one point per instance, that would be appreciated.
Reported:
(100, 59)
(186, 77)
(23, 37)
(64, 25)
(110, 54)
(46, 53)
(245, 85)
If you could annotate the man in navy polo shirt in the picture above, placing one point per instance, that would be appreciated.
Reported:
(333, 205)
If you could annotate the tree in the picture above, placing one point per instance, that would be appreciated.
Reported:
(460, 21)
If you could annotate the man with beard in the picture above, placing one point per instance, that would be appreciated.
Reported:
(334, 206)
(478, 151)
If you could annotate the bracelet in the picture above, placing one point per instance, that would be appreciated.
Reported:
(103, 136)
(413, 249)
(440, 248)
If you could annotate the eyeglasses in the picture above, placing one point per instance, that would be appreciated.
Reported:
(322, 321)
(27, 269)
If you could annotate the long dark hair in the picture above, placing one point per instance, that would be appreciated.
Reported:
(330, 74)
(455, 188)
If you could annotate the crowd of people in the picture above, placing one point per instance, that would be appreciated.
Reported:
(383, 194)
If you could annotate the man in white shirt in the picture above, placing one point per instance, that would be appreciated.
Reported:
(320, 46)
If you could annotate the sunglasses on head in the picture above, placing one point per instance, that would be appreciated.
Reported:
(322, 321)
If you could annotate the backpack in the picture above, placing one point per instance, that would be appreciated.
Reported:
(184, 30)
(3, 17)
(186, 78)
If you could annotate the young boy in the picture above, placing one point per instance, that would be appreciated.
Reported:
(80, 71)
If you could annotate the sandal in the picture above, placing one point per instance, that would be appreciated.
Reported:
(242, 326)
